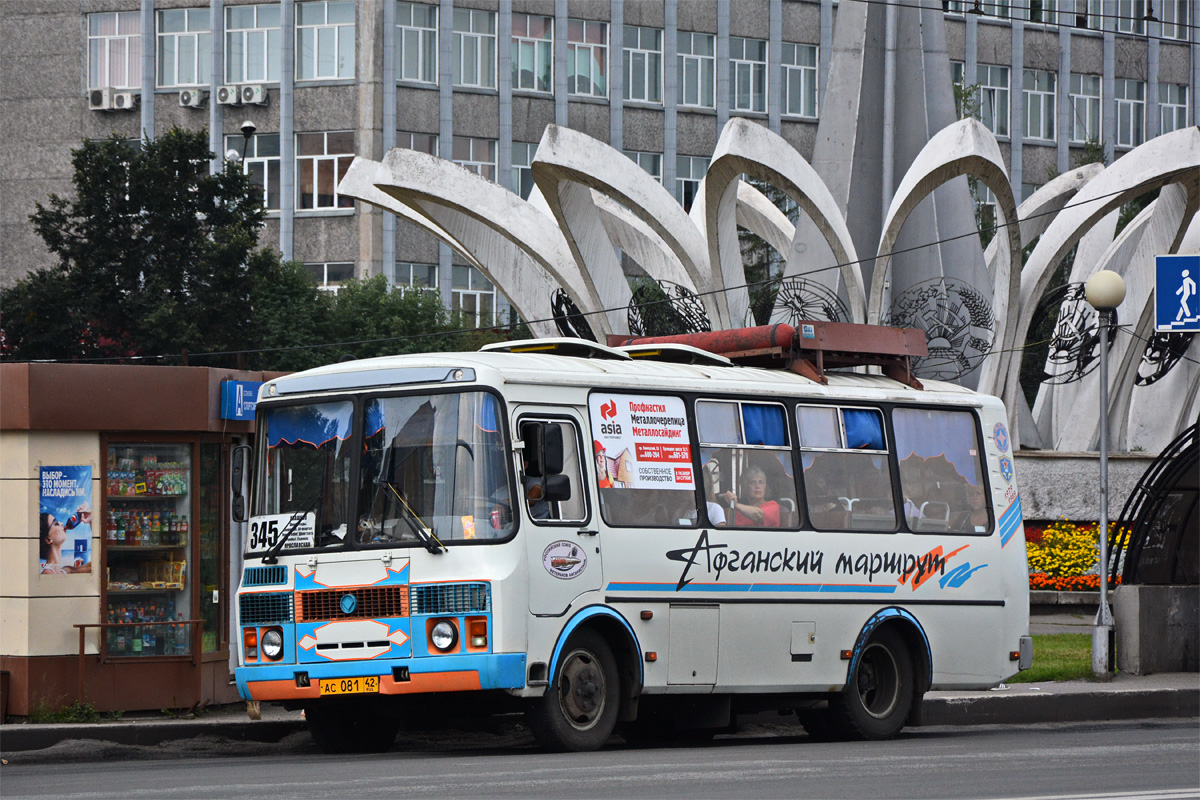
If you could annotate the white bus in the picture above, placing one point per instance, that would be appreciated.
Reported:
(651, 539)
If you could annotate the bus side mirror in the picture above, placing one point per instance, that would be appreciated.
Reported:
(543, 448)
(556, 489)
(237, 476)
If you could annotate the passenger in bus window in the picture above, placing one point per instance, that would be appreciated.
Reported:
(752, 509)
(974, 516)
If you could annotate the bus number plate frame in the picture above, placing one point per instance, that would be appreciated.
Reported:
(368, 684)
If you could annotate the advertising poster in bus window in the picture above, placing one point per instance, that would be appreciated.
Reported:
(65, 520)
(641, 442)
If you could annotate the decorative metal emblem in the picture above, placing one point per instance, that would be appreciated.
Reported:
(569, 320)
(349, 603)
(663, 308)
(958, 322)
(804, 299)
(1163, 351)
(1076, 335)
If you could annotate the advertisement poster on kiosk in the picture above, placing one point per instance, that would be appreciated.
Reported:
(65, 520)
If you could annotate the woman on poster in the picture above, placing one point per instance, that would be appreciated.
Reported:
(53, 535)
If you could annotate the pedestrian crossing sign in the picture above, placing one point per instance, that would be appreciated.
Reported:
(1176, 302)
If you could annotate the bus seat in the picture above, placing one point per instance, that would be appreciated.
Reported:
(787, 512)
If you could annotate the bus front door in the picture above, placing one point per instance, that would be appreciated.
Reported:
(561, 535)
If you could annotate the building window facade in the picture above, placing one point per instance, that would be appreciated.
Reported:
(477, 155)
(184, 47)
(991, 96)
(1043, 12)
(331, 276)
(253, 44)
(474, 48)
(1082, 14)
(996, 8)
(1175, 18)
(260, 160)
(1130, 97)
(522, 168)
(1131, 16)
(322, 160)
(799, 64)
(689, 171)
(532, 53)
(472, 295)
(421, 142)
(587, 58)
(747, 74)
(1085, 108)
(650, 162)
(417, 41)
(115, 50)
(697, 65)
(406, 276)
(643, 64)
(1172, 107)
(324, 40)
(1039, 104)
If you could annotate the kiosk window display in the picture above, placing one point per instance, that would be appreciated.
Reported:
(147, 536)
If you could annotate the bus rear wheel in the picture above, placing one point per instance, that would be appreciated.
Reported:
(879, 695)
(579, 709)
(341, 730)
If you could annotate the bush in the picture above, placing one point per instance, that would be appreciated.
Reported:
(1065, 550)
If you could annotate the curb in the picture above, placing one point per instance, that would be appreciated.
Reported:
(972, 709)
(19, 738)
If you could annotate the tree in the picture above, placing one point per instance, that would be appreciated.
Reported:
(155, 256)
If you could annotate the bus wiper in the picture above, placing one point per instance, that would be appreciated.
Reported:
(417, 525)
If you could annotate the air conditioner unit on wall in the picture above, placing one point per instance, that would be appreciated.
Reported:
(192, 98)
(254, 94)
(229, 96)
(109, 99)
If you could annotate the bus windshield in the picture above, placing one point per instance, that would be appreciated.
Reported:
(433, 464)
(433, 470)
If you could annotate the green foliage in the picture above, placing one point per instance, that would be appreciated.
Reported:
(1058, 657)
(45, 713)
(763, 264)
(154, 256)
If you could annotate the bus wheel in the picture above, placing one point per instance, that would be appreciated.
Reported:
(339, 730)
(879, 695)
(579, 709)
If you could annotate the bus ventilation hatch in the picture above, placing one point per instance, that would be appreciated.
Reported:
(451, 598)
(809, 351)
(265, 576)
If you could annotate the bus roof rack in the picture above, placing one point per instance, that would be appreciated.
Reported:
(558, 346)
(810, 351)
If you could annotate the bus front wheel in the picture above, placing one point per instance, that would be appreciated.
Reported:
(579, 709)
(879, 695)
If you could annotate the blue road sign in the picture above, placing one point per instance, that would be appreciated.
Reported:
(1176, 302)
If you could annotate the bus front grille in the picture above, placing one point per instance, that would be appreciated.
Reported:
(262, 607)
(451, 598)
(370, 602)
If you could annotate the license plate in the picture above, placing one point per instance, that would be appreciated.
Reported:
(350, 685)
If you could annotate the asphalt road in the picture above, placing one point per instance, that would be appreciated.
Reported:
(1105, 761)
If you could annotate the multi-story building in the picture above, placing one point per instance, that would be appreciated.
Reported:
(477, 81)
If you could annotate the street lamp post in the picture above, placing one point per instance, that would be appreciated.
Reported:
(1104, 291)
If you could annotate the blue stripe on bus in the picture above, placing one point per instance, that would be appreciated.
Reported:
(1010, 520)
(751, 587)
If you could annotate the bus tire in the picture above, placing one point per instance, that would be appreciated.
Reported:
(339, 730)
(579, 709)
(879, 695)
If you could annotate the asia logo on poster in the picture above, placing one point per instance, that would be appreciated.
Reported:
(641, 442)
(65, 520)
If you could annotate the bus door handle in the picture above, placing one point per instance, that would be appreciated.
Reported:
(586, 533)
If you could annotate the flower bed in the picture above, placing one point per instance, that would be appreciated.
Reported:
(1063, 556)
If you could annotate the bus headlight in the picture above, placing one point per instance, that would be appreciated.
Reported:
(444, 635)
(272, 644)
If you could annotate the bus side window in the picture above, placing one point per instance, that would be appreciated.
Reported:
(940, 473)
(747, 464)
(551, 474)
(847, 479)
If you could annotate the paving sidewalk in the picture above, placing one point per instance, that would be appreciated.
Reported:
(1168, 695)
